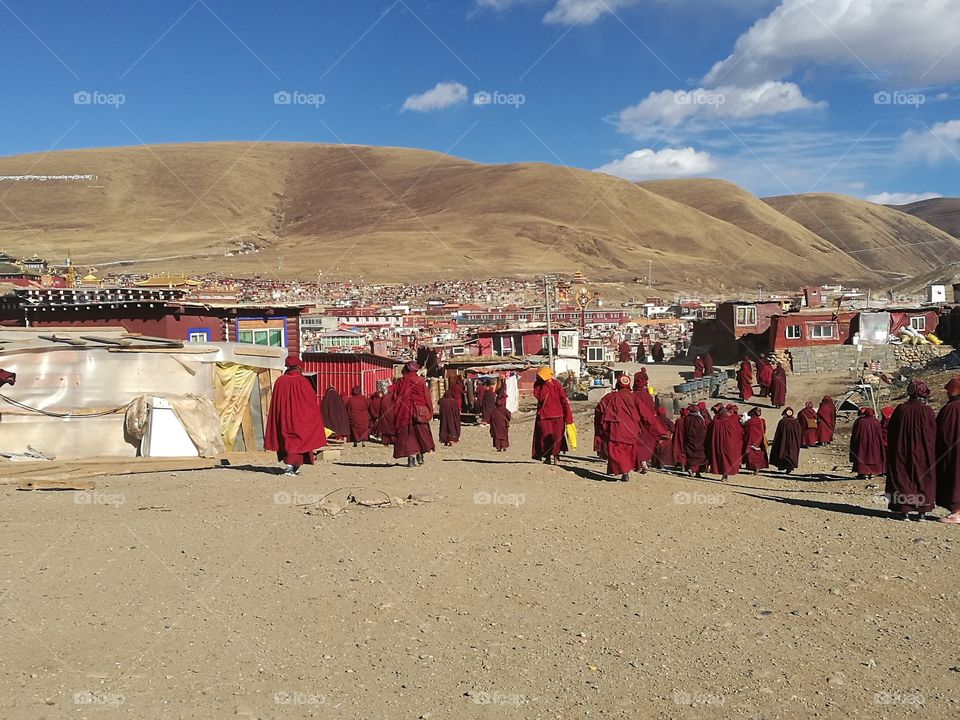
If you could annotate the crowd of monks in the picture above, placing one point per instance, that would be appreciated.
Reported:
(912, 446)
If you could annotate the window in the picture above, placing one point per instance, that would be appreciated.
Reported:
(793, 332)
(918, 323)
(746, 315)
(271, 337)
(823, 332)
(566, 341)
(458, 351)
(594, 354)
(198, 335)
(548, 342)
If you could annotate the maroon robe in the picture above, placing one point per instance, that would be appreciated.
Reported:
(708, 364)
(358, 413)
(487, 404)
(412, 437)
(620, 419)
(745, 380)
(294, 421)
(625, 352)
(764, 377)
(657, 353)
(641, 353)
(778, 387)
(948, 456)
(755, 444)
(500, 426)
(663, 452)
(679, 455)
(785, 451)
(384, 427)
(458, 389)
(808, 425)
(478, 399)
(553, 416)
(335, 413)
(376, 402)
(649, 432)
(449, 418)
(698, 368)
(911, 458)
(695, 441)
(826, 420)
(866, 445)
(726, 444)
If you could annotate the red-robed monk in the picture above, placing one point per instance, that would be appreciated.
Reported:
(695, 441)
(457, 390)
(500, 425)
(410, 416)
(948, 454)
(679, 456)
(553, 416)
(808, 423)
(778, 387)
(698, 367)
(649, 432)
(708, 368)
(867, 453)
(620, 419)
(785, 451)
(384, 427)
(755, 442)
(625, 352)
(358, 414)
(764, 376)
(826, 420)
(725, 439)
(449, 418)
(745, 380)
(335, 413)
(912, 455)
(294, 421)
(663, 452)
(885, 414)
(376, 408)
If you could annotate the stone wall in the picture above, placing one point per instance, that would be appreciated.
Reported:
(838, 359)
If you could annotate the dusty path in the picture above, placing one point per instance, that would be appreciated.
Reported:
(522, 591)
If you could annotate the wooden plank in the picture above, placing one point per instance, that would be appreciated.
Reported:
(56, 485)
(149, 338)
(246, 427)
(266, 395)
(118, 342)
(259, 351)
(66, 341)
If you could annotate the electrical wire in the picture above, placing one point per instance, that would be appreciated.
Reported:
(48, 413)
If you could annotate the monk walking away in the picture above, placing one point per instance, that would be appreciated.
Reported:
(294, 421)
(948, 454)
(695, 440)
(410, 416)
(358, 413)
(785, 451)
(725, 443)
(911, 455)
(745, 380)
(778, 386)
(619, 420)
(500, 425)
(867, 450)
(808, 424)
(335, 414)
(755, 442)
(450, 418)
(553, 416)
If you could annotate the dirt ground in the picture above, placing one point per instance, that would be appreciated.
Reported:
(520, 590)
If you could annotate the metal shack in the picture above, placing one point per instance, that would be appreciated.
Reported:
(347, 370)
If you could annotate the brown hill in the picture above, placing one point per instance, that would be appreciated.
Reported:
(887, 241)
(943, 213)
(388, 213)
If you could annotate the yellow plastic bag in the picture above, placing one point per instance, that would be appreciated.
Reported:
(571, 433)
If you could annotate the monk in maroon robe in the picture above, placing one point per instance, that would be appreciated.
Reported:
(335, 413)
(778, 387)
(679, 456)
(500, 425)
(663, 452)
(487, 403)
(708, 368)
(826, 420)
(698, 367)
(785, 451)
(625, 352)
(911, 455)
(553, 416)
(755, 442)
(745, 380)
(458, 389)
(649, 431)
(376, 403)
(867, 453)
(384, 427)
(948, 454)
(764, 376)
(641, 352)
(808, 423)
(294, 421)
(358, 413)
(449, 418)
(657, 353)
(725, 439)
(695, 443)
(620, 419)
(410, 416)
(481, 390)
(885, 414)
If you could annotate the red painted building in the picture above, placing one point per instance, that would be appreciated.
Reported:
(347, 370)
(810, 329)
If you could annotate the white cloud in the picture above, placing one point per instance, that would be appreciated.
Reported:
(901, 40)
(673, 108)
(886, 198)
(583, 12)
(938, 143)
(441, 96)
(649, 164)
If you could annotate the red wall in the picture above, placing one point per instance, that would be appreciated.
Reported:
(344, 371)
(779, 324)
(165, 326)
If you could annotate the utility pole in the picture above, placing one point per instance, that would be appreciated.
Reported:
(649, 273)
(546, 301)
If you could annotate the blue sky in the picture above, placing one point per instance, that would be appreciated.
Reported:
(780, 96)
